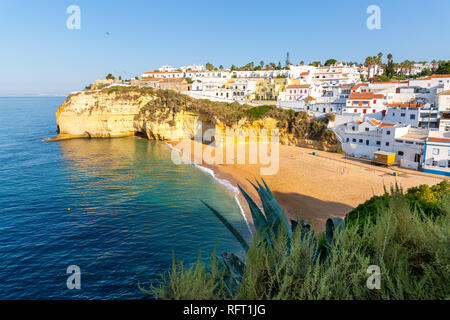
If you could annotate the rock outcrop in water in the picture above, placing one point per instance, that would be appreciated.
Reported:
(168, 115)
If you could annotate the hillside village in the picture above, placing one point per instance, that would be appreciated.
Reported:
(406, 119)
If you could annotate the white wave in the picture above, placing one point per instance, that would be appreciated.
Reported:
(224, 182)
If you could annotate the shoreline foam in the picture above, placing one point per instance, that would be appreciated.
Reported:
(227, 184)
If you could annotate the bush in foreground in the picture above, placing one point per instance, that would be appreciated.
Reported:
(411, 250)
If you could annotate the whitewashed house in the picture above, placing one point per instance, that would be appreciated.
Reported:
(365, 103)
(444, 111)
(436, 157)
(362, 138)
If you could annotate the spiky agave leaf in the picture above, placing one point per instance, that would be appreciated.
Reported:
(229, 226)
(273, 211)
(234, 265)
(334, 226)
(259, 220)
(294, 224)
(258, 217)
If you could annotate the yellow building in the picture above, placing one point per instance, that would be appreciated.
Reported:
(272, 90)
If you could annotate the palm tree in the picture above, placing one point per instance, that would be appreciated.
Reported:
(369, 63)
(261, 63)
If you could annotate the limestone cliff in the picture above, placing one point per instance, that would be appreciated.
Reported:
(159, 114)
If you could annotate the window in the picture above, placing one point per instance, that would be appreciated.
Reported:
(387, 144)
(435, 151)
(367, 129)
(354, 140)
(353, 128)
(360, 140)
(400, 153)
(348, 139)
(367, 142)
(378, 143)
(412, 117)
(388, 132)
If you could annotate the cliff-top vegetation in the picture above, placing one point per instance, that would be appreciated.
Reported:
(163, 103)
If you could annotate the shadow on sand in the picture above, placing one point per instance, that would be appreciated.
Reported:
(316, 211)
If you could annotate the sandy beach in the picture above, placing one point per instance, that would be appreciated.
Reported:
(316, 187)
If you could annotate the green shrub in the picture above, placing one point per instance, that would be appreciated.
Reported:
(427, 201)
(411, 251)
(256, 112)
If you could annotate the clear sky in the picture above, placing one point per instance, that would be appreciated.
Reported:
(40, 55)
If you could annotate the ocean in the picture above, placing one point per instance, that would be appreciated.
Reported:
(119, 209)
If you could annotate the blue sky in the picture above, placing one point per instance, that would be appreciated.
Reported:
(39, 55)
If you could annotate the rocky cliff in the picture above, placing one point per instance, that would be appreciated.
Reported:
(167, 115)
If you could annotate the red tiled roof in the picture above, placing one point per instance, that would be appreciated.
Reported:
(380, 124)
(298, 86)
(365, 96)
(356, 86)
(439, 139)
(405, 105)
(435, 76)
(385, 124)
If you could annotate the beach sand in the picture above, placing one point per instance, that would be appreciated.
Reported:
(314, 187)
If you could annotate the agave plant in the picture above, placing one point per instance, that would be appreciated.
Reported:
(271, 224)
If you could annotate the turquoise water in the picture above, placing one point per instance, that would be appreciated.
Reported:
(130, 209)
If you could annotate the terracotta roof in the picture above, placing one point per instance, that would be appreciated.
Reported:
(405, 105)
(356, 86)
(392, 81)
(445, 93)
(365, 96)
(439, 139)
(385, 124)
(298, 86)
(440, 76)
(309, 98)
(380, 124)
(304, 73)
(435, 76)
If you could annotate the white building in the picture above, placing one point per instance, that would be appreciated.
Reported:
(269, 73)
(418, 116)
(362, 138)
(444, 110)
(163, 75)
(365, 103)
(436, 157)
(193, 67)
(296, 92)
(167, 69)
(441, 81)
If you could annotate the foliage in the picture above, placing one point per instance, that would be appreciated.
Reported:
(411, 251)
(425, 200)
(110, 77)
(257, 112)
(444, 68)
(330, 62)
